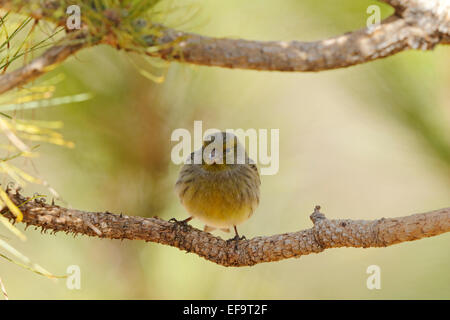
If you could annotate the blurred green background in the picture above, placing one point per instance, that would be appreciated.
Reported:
(364, 142)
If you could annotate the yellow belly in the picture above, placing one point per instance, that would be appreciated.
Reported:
(221, 199)
(218, 208)
(217, 213)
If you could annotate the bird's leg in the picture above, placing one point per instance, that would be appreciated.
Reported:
(236, 238)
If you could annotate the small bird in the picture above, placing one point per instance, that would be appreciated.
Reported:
(219, 184)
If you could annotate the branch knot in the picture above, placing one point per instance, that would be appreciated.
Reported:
(316, 216)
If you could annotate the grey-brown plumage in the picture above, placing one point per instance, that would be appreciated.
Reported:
(222, 195)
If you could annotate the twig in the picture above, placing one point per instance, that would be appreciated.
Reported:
(323, 235)
(40, 65)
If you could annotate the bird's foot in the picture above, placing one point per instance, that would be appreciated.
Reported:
(182, 223)
(236, 240)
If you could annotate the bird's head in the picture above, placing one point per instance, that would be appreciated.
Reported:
(221, 151)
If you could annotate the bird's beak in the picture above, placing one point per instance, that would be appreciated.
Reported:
(215, 157)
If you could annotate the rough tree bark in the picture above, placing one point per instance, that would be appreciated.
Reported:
(323, 235)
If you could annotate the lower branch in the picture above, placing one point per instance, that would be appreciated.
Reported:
(323, 235)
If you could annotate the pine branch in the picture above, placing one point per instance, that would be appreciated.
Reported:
(46, 62)
(325, 233)
(392, 36)
(417, 24)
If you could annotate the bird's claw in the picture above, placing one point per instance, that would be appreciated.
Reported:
(173, 220)
(182, 223)
(236, 240)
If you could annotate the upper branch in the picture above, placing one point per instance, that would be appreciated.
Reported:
(417, 24)
(390, 37)
(323, 235)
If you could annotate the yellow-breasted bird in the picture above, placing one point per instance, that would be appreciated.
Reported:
(219, 184)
